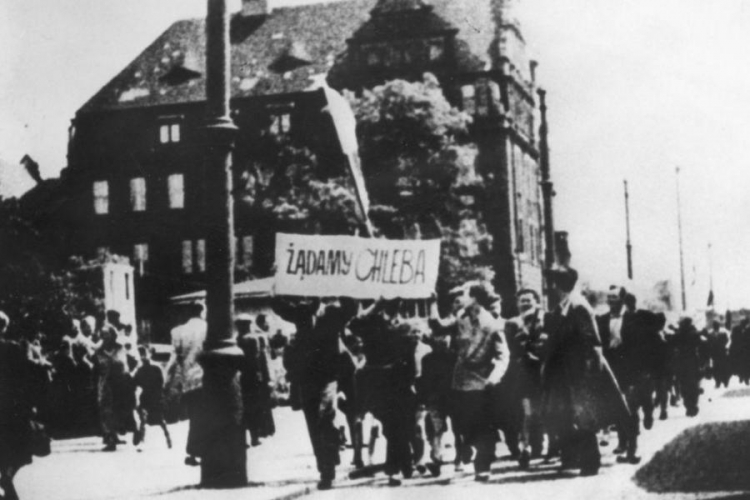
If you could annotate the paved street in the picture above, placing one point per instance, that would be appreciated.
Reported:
(283, 467)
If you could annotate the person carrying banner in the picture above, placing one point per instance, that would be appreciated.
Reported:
(314, 356)
(385, 385)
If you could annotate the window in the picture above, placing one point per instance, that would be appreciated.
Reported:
(520, 236)
(436, 50)
(176, 187)
(101, 197)
(200, 256)
(187, 257)
(140, 257)
(467, 94)
(245, 253)
(281, 123)
(193, 256)
(538, 243)
(138, 194)
(495, 94)
(482, 97)
(169, 132)
(373, 57)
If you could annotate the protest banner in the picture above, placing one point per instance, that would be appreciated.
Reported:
(360, 268)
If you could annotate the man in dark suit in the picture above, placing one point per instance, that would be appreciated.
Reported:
(313, 360)
(526, 338)
(581, 394)
(638, 370)
(610, 326)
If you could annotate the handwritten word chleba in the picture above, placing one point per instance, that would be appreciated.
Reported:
(388, 266)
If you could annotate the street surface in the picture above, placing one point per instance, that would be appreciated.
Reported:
(283, 468)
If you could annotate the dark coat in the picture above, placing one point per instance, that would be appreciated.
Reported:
(384, 385)
(526, 354)
(580, 389)
(642, 348)
(615, 356)
(20, 379)
(256, 386)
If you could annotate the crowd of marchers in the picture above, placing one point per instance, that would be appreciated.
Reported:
(551, 384)
(546, 382)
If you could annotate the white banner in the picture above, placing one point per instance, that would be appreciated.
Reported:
(361, 268)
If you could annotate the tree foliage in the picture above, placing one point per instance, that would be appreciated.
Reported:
(419, 168)
(287, 185)
(37, 292)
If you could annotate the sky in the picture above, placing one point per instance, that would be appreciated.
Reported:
(635, 89)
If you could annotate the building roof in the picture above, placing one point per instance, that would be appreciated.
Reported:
(289, 50)
(258, 288)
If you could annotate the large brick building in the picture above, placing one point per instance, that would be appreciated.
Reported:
(135, 154)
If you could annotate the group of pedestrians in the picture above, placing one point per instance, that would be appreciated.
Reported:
(103, 380)
(552, 384)
(547, 382)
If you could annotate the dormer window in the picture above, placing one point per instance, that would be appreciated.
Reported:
(169, 133)
(179, 75)
(293, 57)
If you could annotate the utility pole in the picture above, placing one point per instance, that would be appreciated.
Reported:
(224, 459)
(679, 232)
(548, 193)
(711, 297)
(628, 245)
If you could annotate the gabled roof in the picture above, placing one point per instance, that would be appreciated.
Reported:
(286, 51)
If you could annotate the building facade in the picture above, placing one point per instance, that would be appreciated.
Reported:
(135, 163)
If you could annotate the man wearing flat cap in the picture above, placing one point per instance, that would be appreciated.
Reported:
(581, 394)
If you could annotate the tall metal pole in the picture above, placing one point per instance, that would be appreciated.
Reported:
(223, 459)
(710, 268)
(711, 296)
(548, 192)
(679, 230)
(628, 245)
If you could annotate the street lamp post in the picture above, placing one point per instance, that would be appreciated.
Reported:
(224, 459)
(548, 194)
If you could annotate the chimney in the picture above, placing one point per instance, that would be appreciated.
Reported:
(32, 168)
(562, 248)
(254, 8)
(532, 70)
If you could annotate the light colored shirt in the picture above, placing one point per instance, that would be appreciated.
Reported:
(482, 354)
(615, 331)
(187, 340)
(565, 305)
